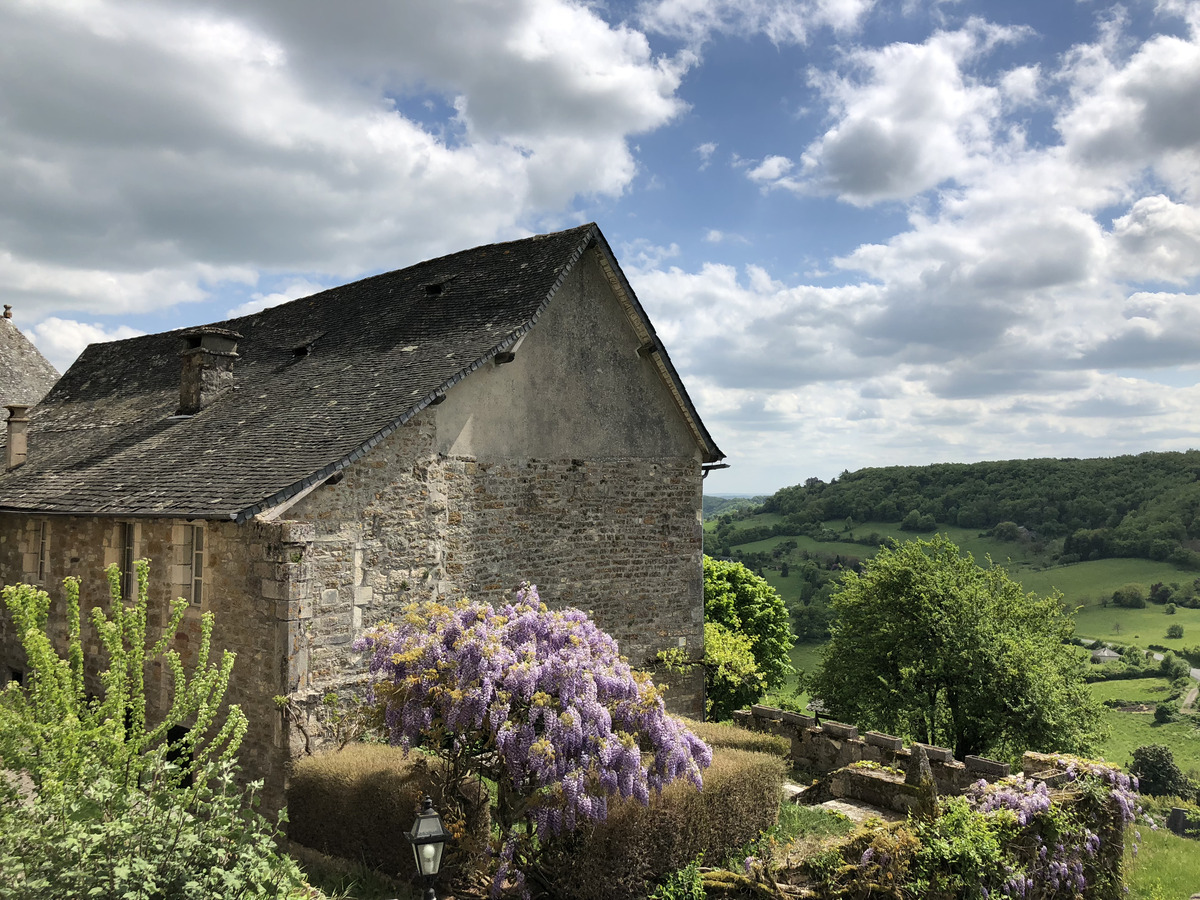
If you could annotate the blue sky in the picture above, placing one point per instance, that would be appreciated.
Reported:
(870, 233)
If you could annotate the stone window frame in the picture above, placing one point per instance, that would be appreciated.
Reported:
(194, 547)
(127, 539)
(43, 550)
(185, 559)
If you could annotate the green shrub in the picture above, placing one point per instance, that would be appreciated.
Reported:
(355, 802)
(1175, 631)
(1157, 774)
(98, 800)
(638, 846)
(1165, 712)
(682, 884)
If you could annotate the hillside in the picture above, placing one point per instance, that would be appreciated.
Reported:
(1145, 506)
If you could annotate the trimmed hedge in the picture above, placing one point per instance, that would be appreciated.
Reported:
(356, 803)
(623, 857)
(721, 736)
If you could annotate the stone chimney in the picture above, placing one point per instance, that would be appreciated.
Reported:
(17, 441)
(207, 372)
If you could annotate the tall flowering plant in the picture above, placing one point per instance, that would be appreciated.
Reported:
(540, 702)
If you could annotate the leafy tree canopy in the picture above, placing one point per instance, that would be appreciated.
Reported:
(927, 644)
(746, 604)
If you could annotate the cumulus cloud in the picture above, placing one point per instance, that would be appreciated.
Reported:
(203, 144)
(908, 117)
(61, 340)
(782, 21)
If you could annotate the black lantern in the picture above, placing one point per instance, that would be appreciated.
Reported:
(428, 839)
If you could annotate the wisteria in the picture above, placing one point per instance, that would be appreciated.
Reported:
(540, 701)
(1061, 847)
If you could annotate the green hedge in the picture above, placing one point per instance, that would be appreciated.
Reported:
(637, 846)
(356, 803)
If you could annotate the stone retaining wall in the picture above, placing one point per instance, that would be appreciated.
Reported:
(825, 747)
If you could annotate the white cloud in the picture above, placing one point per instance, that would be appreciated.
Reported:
(61, 340)
(706, 150)
(293, 291)
(1158, 239)
(910, 119)
(201, 144)
(782, 21)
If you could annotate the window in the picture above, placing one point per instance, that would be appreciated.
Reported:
(43, 552)
(128, 571)
(193, 564)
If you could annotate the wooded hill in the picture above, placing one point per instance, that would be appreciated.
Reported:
(1127, 506)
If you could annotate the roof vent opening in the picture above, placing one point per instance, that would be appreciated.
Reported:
(438, 286)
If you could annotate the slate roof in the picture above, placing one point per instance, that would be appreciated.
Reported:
(25, 375)
(105, 440)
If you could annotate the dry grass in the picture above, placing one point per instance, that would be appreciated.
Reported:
(734, 737)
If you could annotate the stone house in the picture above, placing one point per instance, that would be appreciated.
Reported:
(450, 429)
(25, 375)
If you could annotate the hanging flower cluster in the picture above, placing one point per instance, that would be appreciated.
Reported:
(540, 701)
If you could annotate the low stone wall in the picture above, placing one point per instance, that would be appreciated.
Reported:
(828, 746)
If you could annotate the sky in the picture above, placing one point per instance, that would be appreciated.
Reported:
(869, 233)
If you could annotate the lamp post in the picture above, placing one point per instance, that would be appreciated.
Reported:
(428, 839)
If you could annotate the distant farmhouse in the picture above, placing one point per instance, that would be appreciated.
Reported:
(453, 428)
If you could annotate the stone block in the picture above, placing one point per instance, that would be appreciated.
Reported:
(791, 718)
(742, 717)
(767, 712)
(839, 730)
(936, 754)
(363, 595)
(988, 768)
(885, 741)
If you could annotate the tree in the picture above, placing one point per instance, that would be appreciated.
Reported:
(540, 702)
(1174, 631)
(114, 803)
(746, 604)
(1157, 774)
(927, 644)
(732, 678)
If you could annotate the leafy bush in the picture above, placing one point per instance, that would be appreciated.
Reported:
(746, 604)
(638, 846)
(1165, 712)
(1157, 774)
(541, 703)
(354, 802)
(732, 678)
(95, 798)
(1130, 596)
(1175, 631)
(1013, 838)
(1173, 668)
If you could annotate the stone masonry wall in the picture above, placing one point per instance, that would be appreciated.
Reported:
(246, 566)
(619, 538)
(825, 747)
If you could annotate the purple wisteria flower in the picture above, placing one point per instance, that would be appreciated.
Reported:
(540, 701)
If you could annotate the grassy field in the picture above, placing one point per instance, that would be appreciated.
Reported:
(1166, 867)
(1139, 690)
(1138, 626)
(1130, 730)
